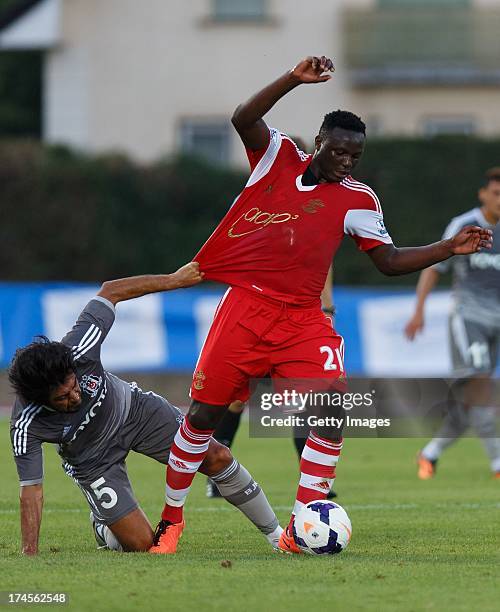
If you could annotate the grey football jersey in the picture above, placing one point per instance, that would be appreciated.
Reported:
(476, 277)
(84, 436)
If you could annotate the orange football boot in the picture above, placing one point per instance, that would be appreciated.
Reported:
(426, 468)
(287, 543)
(166, 538)
(496, 475)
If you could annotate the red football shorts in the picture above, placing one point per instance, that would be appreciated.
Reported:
(253, 336)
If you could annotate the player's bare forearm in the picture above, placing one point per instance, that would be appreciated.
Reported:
(427, 281)
(31, 504)
(248, 117)
(124, 289)
(393, 261)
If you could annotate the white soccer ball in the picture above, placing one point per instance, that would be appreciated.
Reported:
(322, 527)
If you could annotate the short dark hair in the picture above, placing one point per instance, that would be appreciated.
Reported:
(493, 174)
(39, 367)
(342, 119)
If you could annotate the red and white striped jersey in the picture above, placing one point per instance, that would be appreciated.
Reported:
(280, 236)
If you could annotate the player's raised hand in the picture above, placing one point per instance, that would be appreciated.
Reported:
(471, 239)
(313, 69)
(189, 275)
(414, 326)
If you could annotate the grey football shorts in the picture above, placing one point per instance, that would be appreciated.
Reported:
(110, 496)
(149, 430)
(474, 346)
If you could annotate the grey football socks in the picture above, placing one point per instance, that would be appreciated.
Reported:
(239, 488)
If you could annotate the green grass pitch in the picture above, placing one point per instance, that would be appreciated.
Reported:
(416, 545)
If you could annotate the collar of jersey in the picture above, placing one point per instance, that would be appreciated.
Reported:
(482, 219)
(300, 187)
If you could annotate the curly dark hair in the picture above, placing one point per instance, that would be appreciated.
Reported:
(342, 119)
(39, 367)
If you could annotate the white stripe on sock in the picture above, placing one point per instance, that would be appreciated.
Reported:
(309, 454)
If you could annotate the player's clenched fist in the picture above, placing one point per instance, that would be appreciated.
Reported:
(189, 275)
(312, 69)
(471, 239)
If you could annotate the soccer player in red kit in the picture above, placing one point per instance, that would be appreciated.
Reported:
(274, 248)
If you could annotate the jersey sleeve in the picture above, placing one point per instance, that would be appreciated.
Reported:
(26, 447)
(280, 150)
(366, 223)
(91, 329)
(255, 155)
(262, 160)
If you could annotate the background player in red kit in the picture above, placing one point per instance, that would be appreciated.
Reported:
(273, 248)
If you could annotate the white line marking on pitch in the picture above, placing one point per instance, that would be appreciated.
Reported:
(214, 508)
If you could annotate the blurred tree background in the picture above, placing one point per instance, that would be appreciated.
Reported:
(70, 216)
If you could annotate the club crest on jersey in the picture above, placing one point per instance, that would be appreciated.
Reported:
(381, 227)
(255, 220)
(198, 380)
(312, 206)
(90, 384)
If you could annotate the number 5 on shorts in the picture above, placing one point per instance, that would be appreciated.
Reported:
(332, 355)
(99, 492)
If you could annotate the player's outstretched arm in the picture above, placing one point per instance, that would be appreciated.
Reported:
(393, 261)
(426, 283)
(247, 118)
(31, 504)
(136, 286)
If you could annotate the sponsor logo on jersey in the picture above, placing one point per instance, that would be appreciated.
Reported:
(313, 206)
(485, 261)
(90, 384)
(90, 413)
(381, 227)
(255, 220)
(198, 380)
(268, 189)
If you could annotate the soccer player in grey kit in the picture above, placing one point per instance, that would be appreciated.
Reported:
(64, 396)
(474, 326)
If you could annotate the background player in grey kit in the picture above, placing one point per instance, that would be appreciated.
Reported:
(66, 397)
(474, 326)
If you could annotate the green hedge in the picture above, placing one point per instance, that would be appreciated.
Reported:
(76, 217)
